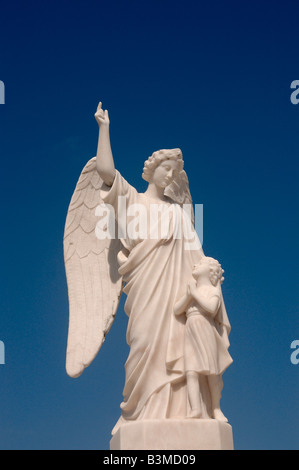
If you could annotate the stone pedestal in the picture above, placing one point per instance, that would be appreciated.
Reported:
(174, 434)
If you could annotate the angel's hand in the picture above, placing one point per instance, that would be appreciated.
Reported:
(176, 309)
(101, 116)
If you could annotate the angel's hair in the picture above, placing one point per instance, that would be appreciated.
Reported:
(158, 157)
(216, 270)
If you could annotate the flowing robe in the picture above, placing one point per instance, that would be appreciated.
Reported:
(156, 272)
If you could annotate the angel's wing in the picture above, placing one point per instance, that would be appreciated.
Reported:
(94, 285)
(179, 192)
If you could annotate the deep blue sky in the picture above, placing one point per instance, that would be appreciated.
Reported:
(212, 78)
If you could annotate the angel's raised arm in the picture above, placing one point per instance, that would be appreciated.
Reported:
(105, 163)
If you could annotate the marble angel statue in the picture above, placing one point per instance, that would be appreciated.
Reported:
(153, 272)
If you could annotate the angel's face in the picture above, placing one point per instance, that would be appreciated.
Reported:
(165, 173)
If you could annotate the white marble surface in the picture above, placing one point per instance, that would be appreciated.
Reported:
(178, 326)
(174, 434)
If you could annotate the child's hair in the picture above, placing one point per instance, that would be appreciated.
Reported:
(158, 157)
(216, 270)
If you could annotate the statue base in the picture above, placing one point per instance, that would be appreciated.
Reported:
(174, 434)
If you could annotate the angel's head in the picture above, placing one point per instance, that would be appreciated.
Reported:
(211, 268)
(163, 166)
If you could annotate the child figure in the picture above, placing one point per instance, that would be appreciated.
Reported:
(206, 353)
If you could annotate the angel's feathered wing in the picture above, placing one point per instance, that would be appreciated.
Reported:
(179, 192)
(94, 285)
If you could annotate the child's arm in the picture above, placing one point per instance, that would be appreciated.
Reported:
(209, 304)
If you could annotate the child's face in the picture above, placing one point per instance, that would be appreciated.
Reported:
(202, 269)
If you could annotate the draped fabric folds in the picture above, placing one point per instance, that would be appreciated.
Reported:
(156, 273)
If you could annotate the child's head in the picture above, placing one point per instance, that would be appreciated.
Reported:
(211, 267)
